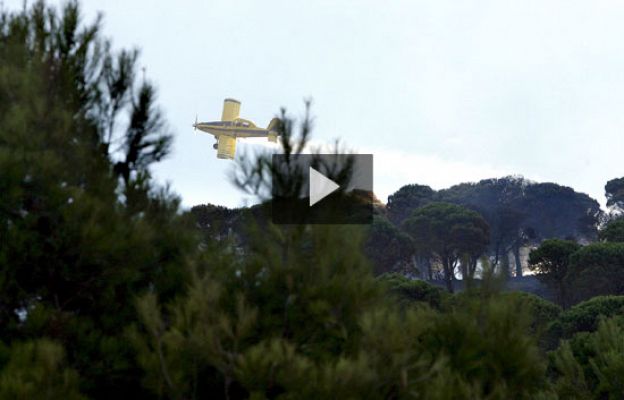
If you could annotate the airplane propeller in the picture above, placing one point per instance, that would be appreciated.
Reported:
(195, 124)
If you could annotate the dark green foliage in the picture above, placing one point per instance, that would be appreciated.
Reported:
(542, 312)
(80, 237)
(570, 369)
(597, 269)
(507, 234)
(222, 225)
(499, 202)
(543, 315)
(591, 365)
(216, 338)
(614, 191)
(519, 212)
(145, 141)
(547, 210)
(487, 347)
(387, 247)
(304, 308)
(613, 232)
(557, 211)
(584, 317)
(449, 232)
(551, 261)
(410, 291)
(404, 201)
(38, 370)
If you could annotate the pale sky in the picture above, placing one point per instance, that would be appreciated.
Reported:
(441, 92)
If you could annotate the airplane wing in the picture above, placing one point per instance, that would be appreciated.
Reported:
(226, 147)
(231, 110)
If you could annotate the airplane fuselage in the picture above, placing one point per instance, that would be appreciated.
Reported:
(231, 127)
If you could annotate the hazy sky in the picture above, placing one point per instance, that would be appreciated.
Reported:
(439, 91)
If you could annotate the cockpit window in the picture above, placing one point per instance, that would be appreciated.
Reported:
(243, 123)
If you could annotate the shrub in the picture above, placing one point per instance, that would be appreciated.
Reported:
(486, 345)
(597, 270)
(613, 232)
(37, 370)
(591, 365)
(415, 291)
(584, 317)
(542, 312)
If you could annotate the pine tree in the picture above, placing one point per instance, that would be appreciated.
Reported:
(83, 230)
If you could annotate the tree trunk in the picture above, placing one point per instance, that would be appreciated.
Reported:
(415, 264)
(516, 252)
(448, 274)
(464, 270)
(429, 269)
(473, 266)
(504, 265)
(497, 252)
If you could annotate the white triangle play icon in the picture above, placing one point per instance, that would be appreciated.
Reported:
(320, 186)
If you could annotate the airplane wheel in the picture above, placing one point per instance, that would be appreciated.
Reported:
(214, 146)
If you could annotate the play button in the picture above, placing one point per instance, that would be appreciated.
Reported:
(322, 189)
(320, 186)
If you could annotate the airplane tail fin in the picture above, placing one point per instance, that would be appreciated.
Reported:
(274, 125)
(274, 129)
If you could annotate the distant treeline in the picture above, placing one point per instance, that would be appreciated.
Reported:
(513, 213)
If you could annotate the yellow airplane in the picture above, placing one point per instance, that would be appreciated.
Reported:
(232, 127)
